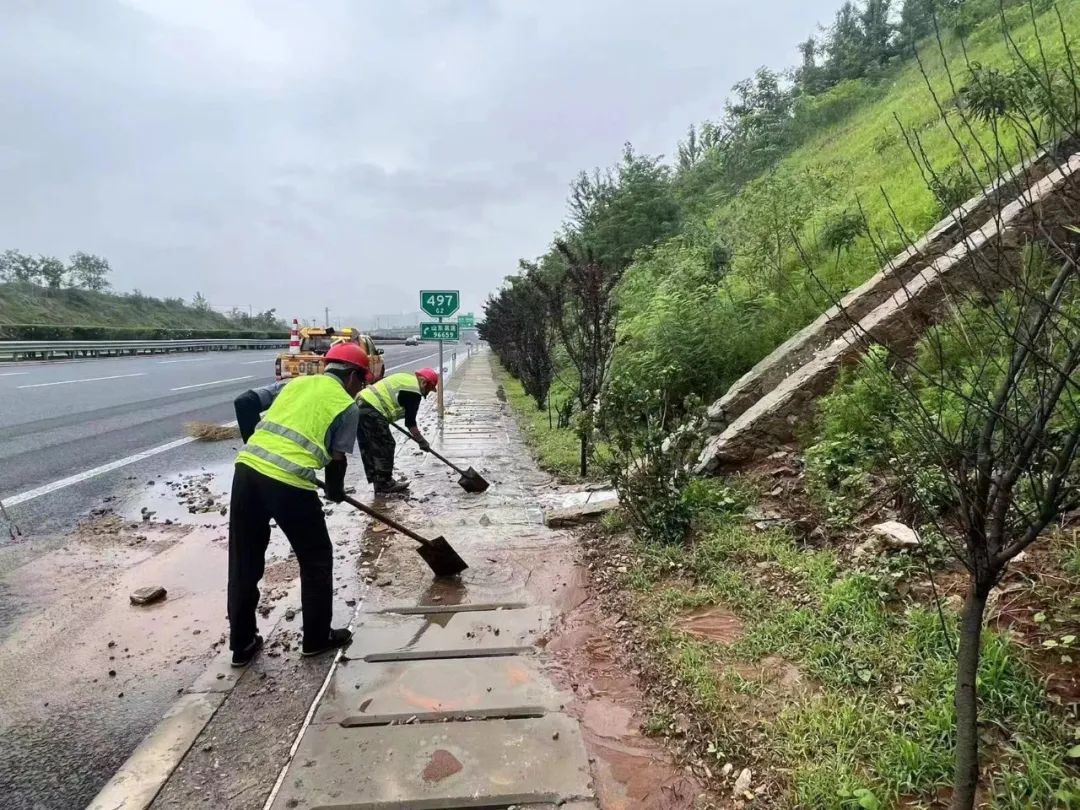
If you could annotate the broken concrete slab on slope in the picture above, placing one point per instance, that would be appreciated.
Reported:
(981, 260)
(581, 507)
(898, 271)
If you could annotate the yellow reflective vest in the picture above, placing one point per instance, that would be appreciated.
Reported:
(383, 395)
(289, 443)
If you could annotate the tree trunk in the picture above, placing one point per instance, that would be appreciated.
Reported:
(584, 455)
(966, 762)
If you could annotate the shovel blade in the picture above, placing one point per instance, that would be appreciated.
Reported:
(472, 481)
(441, 557)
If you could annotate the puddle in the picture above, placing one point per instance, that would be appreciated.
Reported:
(712, 624)
(195, 497)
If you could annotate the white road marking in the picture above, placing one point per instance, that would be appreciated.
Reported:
(251, 362)
(13, 373)
(185, 360)
(414, 360)
(87, 379)
(85, 475)
(213, 382)
(93, 472)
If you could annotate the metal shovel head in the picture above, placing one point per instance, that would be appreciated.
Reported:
(441, 557)
(472, 481)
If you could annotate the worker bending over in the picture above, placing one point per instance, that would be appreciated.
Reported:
(388, 400)
(310, 424)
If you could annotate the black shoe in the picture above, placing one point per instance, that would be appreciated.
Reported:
(339, 637)
(391, 487)
(241, 658)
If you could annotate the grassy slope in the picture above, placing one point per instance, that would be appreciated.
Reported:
(27, 304)
(872, 167)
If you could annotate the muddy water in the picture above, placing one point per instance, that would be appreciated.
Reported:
(630, 770)
(84, 675)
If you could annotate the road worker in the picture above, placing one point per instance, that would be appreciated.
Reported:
(310, 424)
(390, 399)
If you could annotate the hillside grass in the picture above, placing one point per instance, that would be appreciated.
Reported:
(860, 163)
(839, 688)
(22, 303)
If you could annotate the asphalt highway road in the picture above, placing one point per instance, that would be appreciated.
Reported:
(72, 432)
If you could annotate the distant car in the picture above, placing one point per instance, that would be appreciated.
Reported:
(413, 340)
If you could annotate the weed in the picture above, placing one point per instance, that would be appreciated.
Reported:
(878, 723)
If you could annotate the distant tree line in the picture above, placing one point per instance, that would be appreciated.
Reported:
(83, 271)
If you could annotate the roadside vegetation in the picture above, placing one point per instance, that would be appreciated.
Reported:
(939, 673)
(45, 298)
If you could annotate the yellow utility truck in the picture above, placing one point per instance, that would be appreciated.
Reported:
(315, 342)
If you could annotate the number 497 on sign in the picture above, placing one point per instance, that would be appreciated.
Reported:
(439, 303)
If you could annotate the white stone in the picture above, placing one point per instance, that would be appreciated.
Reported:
(896, 535)
(742, 783)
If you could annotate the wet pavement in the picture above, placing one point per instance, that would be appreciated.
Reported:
(443, 699)
(498, 687)
(85, 675)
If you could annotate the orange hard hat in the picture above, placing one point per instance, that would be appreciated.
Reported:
(430, 376)
(348, 353)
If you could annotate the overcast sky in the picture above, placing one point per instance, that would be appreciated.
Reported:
(345, 154)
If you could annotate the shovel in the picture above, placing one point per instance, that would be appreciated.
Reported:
(437, 553)
(470, 481)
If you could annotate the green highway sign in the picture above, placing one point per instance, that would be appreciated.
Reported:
(440, 303)
(467, 321)
(439, 331)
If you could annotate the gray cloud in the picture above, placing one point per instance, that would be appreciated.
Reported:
(368, 149)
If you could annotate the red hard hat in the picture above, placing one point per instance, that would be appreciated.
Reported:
(348, 353)
(430, 376)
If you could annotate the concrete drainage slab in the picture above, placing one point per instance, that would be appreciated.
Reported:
(397, 637)
(438, 766)
(434, 690)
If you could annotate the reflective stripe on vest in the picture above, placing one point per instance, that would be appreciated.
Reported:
(320, 454)
(383, 395)
(306, 473)
(289, 444)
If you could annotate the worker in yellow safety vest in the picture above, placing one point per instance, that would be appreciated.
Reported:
(309, 424)
(390, 399)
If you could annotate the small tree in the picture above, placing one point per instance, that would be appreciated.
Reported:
(89, 272)
(17, 266)
(50, 271)
(199, 302)
(584, 314)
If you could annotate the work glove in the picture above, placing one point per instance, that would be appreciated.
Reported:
(423, 445)
(335, 480)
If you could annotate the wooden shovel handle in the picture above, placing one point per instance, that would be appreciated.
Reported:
(441, 458)
(379, 516)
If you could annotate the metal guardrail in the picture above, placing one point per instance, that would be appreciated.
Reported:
(48, 349)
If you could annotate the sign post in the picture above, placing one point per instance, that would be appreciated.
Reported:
(440, 304)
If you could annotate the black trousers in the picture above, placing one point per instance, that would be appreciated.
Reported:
(256, 500)
(376, 445)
